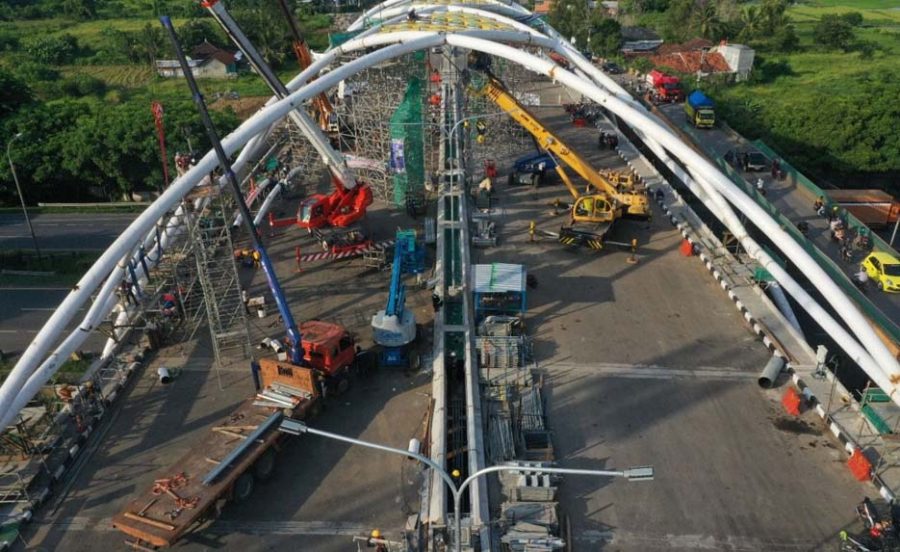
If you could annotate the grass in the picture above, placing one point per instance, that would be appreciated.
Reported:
(851, 4)
(63, 268)
(783, 111)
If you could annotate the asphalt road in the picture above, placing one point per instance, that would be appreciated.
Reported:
(24, 312)
(794, 201)
(652, 364)
(66, 232)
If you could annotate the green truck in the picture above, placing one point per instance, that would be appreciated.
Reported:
(700, 110)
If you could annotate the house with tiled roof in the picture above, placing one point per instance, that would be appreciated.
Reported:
(206, 61)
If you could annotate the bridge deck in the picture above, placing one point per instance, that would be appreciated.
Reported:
(652, 364)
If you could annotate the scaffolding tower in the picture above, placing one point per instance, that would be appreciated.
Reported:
(217, 272)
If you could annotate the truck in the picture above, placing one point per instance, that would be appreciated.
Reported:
(532, 169)
(224, 465)
(875, 208)
(592, 214)
(664, 88)
(700, 110)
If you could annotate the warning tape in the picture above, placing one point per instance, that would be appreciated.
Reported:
(327, 255)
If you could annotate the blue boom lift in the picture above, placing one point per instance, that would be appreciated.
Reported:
(394, 328)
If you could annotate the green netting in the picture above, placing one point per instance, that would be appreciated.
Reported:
(336, 39)
(408, 143)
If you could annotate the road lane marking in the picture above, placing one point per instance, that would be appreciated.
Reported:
(651, 371)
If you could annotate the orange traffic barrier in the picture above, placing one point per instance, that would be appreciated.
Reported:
(791, 401)
(686, 248)
(859, 465)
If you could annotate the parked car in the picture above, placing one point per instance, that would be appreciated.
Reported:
(756, 161)
(612, 68)
(884, 270)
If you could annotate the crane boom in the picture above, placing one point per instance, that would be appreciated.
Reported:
(304, 58)
(634, 201)
(332, 158)
(293, 333)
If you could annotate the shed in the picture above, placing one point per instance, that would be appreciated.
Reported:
(499, 289)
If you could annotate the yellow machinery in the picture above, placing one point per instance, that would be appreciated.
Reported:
(616, 191)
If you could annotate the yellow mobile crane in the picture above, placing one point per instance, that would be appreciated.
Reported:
(592, 214)
(617, 188)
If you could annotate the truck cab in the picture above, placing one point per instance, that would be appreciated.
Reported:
(330, 350)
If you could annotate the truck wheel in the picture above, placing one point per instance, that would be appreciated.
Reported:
(342, 385)
(243, 487)
(264, 466)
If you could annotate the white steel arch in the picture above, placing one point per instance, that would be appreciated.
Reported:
(25, 380)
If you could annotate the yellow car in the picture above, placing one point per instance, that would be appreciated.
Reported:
(884, 270)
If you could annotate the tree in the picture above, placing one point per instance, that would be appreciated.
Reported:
(80, 9)
(52, 50)
(264, 26)
(855, 19)
(833, 31)
(572, 19)
(14, 93)
(606, 37)
(147, 44)
(707, 21)
(195, 31)
(679, 20)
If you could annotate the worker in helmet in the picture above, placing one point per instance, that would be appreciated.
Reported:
(376, 541)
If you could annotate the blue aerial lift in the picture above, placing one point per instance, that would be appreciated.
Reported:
(394, 328)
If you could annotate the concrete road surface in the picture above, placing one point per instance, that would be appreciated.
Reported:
(651, 363)
(67, 232)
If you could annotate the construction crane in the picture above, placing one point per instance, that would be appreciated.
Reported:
(592, 215)
(194, 487)
(394, 328)
(347, 204)
(323, 107)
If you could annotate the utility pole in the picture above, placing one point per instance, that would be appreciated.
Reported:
(12, 168)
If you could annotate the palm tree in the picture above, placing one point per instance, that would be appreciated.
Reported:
(708, 23)
(750, 20)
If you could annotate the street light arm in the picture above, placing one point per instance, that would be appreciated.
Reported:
(296, 427)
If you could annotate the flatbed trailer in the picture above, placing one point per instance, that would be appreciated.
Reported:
(179, 500)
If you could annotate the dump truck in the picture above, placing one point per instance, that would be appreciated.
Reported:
(664, 88)
(224, 465)
(700, 110)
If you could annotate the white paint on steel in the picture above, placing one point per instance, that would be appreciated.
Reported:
(24, 381)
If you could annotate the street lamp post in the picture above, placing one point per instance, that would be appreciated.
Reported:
(452, 130)
(296, 427)
(12, 169)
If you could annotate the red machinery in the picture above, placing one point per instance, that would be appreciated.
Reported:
(665, 88)
(341, 208)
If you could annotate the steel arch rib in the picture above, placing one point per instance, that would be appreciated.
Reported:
(22, 383)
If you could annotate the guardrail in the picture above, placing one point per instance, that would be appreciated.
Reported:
(811, 186)
(836, 273)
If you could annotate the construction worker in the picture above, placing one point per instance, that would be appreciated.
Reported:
(531, 231)
(257, 258)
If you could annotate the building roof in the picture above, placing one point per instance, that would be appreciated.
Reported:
(692, 62)
(638, 33)
(499, 278)
(694, 44)
(206, 51)
(640, 46)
